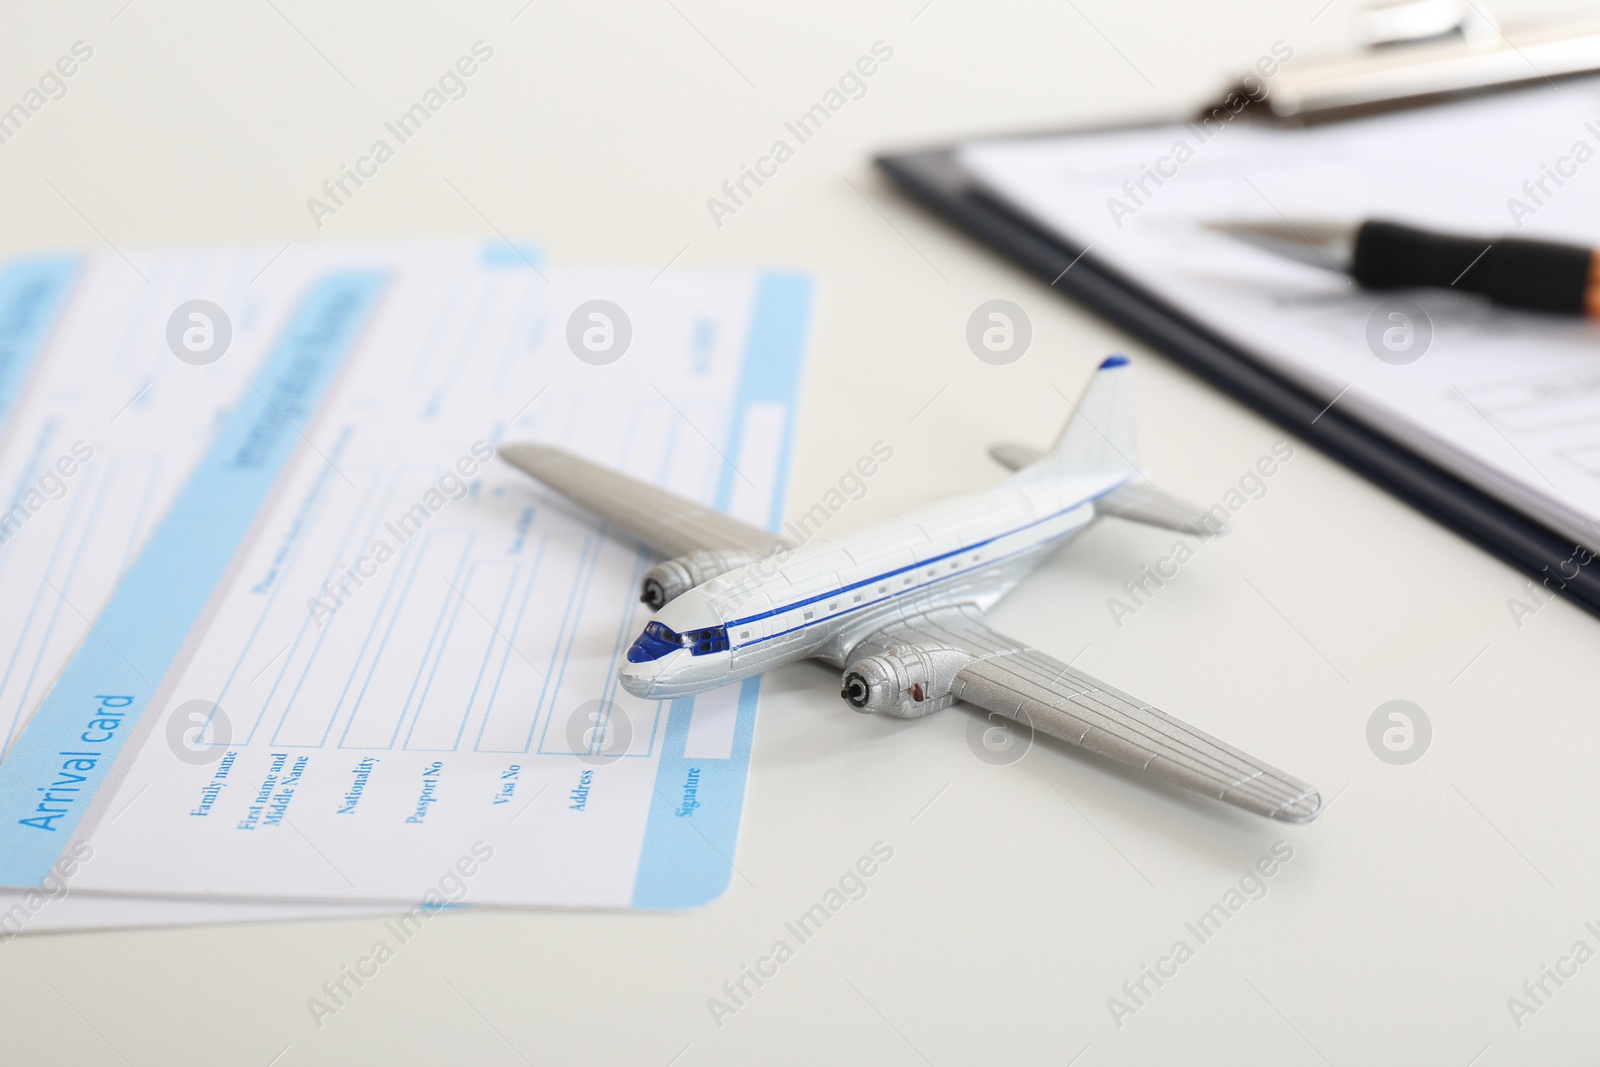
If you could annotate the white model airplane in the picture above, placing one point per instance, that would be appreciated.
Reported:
(899, 605)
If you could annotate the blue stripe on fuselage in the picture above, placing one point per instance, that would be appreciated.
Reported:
(903, 591)
(909, 567)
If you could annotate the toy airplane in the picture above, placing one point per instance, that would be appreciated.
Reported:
(899, 605)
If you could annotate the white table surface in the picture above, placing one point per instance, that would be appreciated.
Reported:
(1019, 898)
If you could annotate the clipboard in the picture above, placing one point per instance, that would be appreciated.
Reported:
(936, 179)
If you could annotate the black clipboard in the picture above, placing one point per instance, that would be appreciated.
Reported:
(935, 179)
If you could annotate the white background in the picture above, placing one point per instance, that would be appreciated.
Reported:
(1019, 898)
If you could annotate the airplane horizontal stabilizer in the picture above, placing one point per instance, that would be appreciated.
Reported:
(1138, 501)
(1142, 502)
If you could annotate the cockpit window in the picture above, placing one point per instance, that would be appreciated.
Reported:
(657, 640)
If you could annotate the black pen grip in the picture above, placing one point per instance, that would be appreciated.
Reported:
(1540, 275)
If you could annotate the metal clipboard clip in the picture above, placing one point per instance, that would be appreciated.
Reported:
(1425, 51)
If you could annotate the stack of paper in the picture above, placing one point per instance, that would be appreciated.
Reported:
(285, 630)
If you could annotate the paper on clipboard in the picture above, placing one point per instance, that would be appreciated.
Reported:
(1507, 401)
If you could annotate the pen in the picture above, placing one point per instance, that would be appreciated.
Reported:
(1537, 275)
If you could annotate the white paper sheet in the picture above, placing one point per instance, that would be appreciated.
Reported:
(1509, 401)
(99, 429)
(376, 737)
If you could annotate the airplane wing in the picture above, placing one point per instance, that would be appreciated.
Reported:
(1038, 690)
(665, 521)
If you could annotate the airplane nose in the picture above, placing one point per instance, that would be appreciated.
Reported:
(643, 679)
(635, 683)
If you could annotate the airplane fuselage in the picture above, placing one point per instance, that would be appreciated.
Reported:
(821, 599)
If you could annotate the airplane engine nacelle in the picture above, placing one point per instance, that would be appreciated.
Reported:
(905, 682)
(670, 579)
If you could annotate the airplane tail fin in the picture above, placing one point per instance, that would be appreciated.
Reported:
(1102, 434)
(1101, 438)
